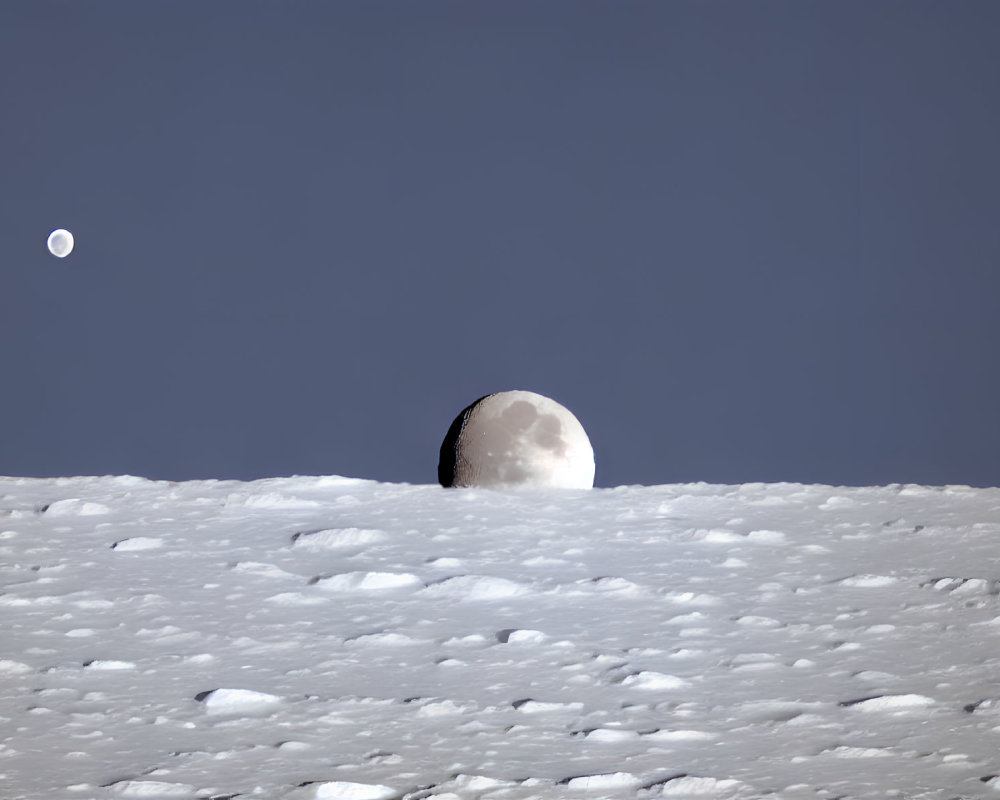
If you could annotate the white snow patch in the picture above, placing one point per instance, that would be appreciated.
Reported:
(693, 599)
(869, 581)
(239, 701)
(477, 587)
(965, 587)
(767, 537)
(138, 543)
(681, 735)
(845, 751)
(268, 501)
(479, 783)
(27, 602)
(544, 561)
(875, 676)
(94, 604)
(74, 507)
(720, 536)
(261, 569)
(346, 790)
(542, 707)
(837, 502)
(152, 790)
(109, 665)
(294, 746)
(442, 708)
(694, 786)
(893, 702)
(369, 582)
(606, 585)
(446, 562)
(603, 783)
(383, 640)
(654, 681)
(525, 637)
(611, 735)
(294, 599)
(338, 539)
(759, 621)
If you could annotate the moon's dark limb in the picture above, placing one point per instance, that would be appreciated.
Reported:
(449, 447)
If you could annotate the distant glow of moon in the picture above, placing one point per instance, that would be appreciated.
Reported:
(60, 243)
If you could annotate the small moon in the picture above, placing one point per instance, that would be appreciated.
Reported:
(60, 243)
(516, 439)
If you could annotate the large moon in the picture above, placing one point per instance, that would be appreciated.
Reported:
(516, 439)
(60, 242)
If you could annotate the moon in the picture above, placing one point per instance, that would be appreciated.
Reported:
(60, 243)
(516, 439)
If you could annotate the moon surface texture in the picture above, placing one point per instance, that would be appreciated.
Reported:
(60, 242)
(516, 439)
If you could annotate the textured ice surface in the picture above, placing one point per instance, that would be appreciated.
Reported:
(333, 638)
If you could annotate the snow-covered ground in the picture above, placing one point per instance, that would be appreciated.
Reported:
(334, 638)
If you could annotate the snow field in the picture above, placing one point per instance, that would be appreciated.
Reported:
(335, 638)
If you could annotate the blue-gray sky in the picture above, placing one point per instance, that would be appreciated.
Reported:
(741, 241)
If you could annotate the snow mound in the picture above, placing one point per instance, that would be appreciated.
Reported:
(138, 543)
(654, 681)
(152, 790)
(238, 701)
(109, 665)
(892, 702)
(369, 581)
(477, 587)
(869, 581)
(346, 790)
(337, 539)
(74, 507)
(607, 782)
(689, 786)
(545, 707)
(521, 637)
